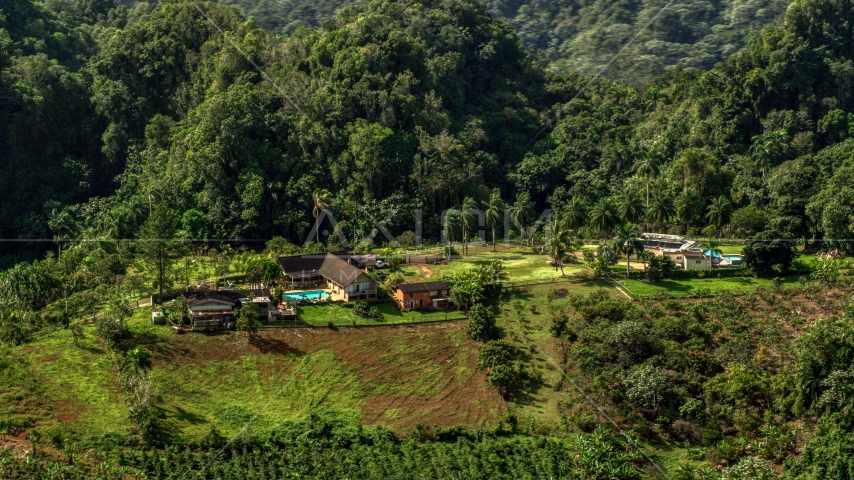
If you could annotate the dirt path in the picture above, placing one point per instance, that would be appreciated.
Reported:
(424, 272)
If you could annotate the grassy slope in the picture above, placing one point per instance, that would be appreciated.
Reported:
(218, 380)
(526, 318)
(339, 315)
(79, 381)
(377, 376)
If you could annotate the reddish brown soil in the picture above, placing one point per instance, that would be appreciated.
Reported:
(67, 411)
(409, 374)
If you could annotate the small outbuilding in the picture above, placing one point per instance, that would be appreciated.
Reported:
(421, 295)
(213, 310)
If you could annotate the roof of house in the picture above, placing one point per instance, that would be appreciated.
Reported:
(662, 244)
(330, 266)
(339, 271)
(694, 255)
(301, 265)
(361, 261)
(421, 286)
(221, 296)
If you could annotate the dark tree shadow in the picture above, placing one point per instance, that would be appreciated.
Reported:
(272, 345)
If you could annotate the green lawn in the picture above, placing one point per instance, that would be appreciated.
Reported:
(731, 248)
(689, 287)
(520, 266)
(320, 315)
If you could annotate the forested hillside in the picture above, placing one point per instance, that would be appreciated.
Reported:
(584, 35)
(189, 127)
(402, 106)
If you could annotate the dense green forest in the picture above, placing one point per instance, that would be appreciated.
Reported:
(401, 106)
(186, 122)
(583, 36)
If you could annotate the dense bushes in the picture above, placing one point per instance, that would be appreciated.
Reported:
(481, 326)
(719, 373)
(364, 310)
(768, 254)
(326, 447)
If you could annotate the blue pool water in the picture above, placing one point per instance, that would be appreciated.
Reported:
(307, 295)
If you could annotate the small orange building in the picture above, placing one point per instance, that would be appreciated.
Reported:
(421, 295)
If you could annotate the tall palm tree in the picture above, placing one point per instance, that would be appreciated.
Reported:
(648, 165)
(322, 200)
(468, 215)
(562, 240)
(522, 211)
(718, 213)
(494, 212)
(660, 209)
(575, 213)
(603, 216)
(453, 220)
(628, 243)
(630, 207)
(620, 152)
(688, 205)
(767, 147)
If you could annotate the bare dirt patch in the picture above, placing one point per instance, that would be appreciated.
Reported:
(17, 447)
(409, 374)
(67, 411)
(424, 272)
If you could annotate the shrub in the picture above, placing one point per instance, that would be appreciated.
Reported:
(364, 310)
(647, 387)
(494, 353)
(629, 342)
(482, 327)
(768, 254)
(247, 317)
(749, 468)
(739, 394)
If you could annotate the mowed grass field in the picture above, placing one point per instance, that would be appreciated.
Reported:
(520, 264)
(392, 376)
(643, 288)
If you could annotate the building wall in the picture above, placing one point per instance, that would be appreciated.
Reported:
(211, 306)
(697, 263)
(677, 257)
(363, 283)
(420, 299)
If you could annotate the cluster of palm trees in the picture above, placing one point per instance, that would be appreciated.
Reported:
(460, 223)
(562, 240)
(661, 209)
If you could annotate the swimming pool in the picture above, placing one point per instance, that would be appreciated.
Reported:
(306, 295)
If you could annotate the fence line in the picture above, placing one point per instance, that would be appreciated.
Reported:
(370, 325)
